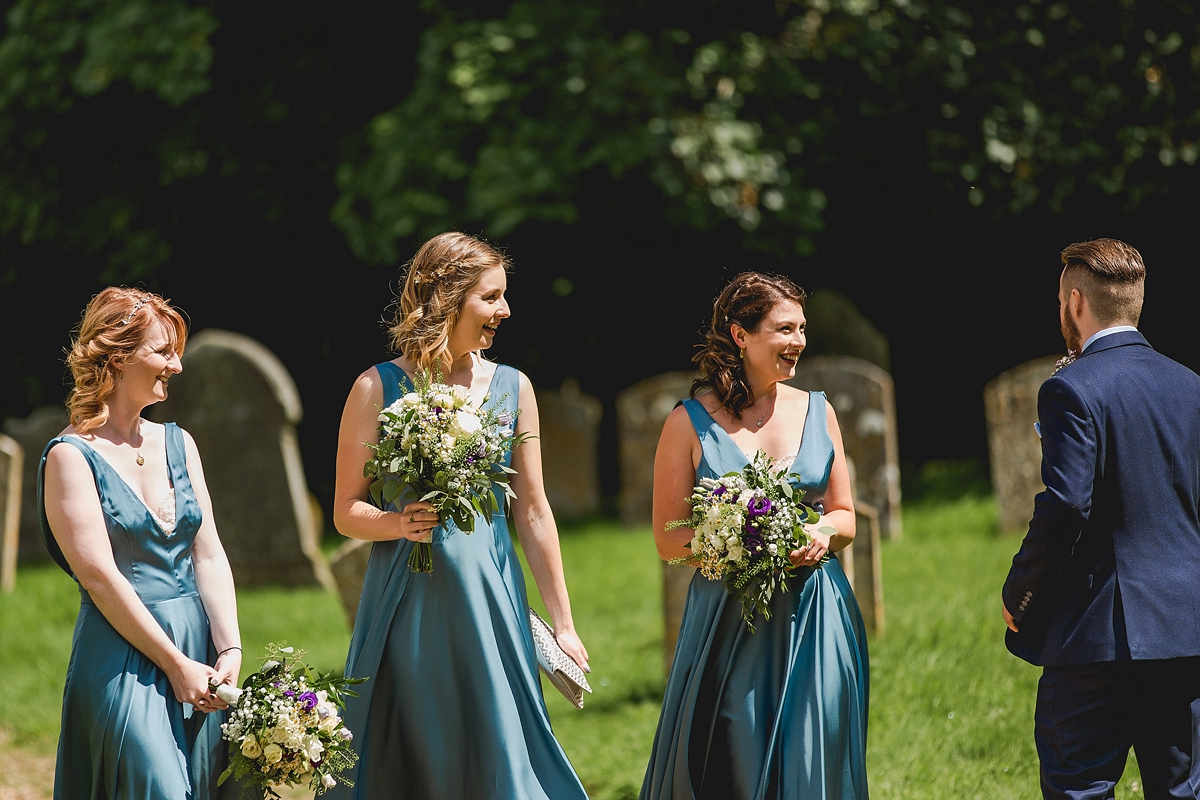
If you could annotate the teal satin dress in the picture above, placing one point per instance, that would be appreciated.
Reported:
(779, 714)
(124, 735)
(453, 705)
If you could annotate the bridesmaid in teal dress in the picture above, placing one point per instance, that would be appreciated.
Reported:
(125, 511)
(781, 713)
(452, 707)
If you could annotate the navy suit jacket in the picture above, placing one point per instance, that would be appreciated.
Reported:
(1110, 567)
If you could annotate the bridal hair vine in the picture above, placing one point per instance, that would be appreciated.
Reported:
(137, 306)
(1062, 362)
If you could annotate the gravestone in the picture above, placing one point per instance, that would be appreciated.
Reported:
(349, 567)
(32, 433)
(837, 328)
(864, 566)
(1014, 450)
(864, 399)
(11, 476)
(642, 410)
(241, 406)
(570, 444)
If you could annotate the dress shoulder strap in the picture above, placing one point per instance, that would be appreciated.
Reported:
(395, 382)
(702, 421)
(506, 381)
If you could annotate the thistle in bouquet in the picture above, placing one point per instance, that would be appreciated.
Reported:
(746, 523)
(285, 728)
(436, 446)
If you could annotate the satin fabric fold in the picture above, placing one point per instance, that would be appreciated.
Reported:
(124, 736)
(776, 714)
(453, 706)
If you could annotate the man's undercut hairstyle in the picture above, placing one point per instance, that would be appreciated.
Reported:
(1111, 275)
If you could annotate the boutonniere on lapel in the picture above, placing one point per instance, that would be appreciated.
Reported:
(1062, 362)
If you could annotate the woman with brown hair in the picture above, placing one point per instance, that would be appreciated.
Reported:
(780, 712)
(452, 707)
(125, 511)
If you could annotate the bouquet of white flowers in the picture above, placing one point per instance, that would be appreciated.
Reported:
(437, 446)
(284, 727)
(746, 523)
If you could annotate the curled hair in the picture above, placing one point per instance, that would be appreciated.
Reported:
(745, 301)
(1111, 275)
(437, 281)
(113, 326)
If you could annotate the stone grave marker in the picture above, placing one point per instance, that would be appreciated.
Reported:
(349, 567)
(11, 475)
(1014, 450)
(32, 433)
(570, 444)
(864, 566)
(642, 410)
(864, 398)
(241, 406)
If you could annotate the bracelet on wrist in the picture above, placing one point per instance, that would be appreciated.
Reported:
(227, 649)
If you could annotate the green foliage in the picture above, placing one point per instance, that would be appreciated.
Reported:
(1017, 105)
(55, 54)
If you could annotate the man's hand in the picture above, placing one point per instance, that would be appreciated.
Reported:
(1008, 618)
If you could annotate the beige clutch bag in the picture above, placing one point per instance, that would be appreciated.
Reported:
(559, 667)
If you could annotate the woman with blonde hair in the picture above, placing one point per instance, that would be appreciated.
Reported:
(125, 511)
(452, 707)
(780, 711)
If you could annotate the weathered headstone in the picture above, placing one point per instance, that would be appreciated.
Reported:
(1014, 450)
(241, 406)
(863, 563)
(570, 443)
(837, 328)
(349, 567)
(642, 410)
(32, 433)
(11, 475)
(864, 398)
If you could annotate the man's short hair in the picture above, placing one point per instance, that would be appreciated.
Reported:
(1111, 275)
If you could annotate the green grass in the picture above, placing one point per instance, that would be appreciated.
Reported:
(951, 710)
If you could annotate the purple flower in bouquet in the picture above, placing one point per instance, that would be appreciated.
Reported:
(308, 700)
(505, 418)
(289, 693)
(759, 507)
(720, 490)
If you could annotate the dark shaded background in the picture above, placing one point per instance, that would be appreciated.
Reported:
(960, 294)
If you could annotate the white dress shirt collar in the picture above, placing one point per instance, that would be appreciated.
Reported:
(1105, 332)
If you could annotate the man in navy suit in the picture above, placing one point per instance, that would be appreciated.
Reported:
(1105, 590)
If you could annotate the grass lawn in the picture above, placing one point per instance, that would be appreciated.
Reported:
(951, 710)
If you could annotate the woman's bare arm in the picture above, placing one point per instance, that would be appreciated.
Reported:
(675, 463)
(537, 530)
(354, 515)
(77, 521)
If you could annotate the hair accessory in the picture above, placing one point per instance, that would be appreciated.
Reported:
(136, 307)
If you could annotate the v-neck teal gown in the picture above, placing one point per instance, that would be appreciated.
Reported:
(453, 705)
(124, 735)
(779, 714)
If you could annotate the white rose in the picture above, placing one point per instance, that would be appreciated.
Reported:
(465, 423)
(735, 553)
(697, 544)
(328, 782)
(443, 400)
(461, 398)
(229, 694)
(313, 748)
(273, 753)
(250, 748)
(346, 734)
(410, 400)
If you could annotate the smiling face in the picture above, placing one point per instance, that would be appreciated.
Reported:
(144, 375)
(773, 348)
(483, 309)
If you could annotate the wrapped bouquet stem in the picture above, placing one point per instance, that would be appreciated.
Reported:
(746, 523)
(436, 446)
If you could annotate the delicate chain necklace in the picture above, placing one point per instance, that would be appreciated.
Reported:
(137, 449)
(758, 420)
